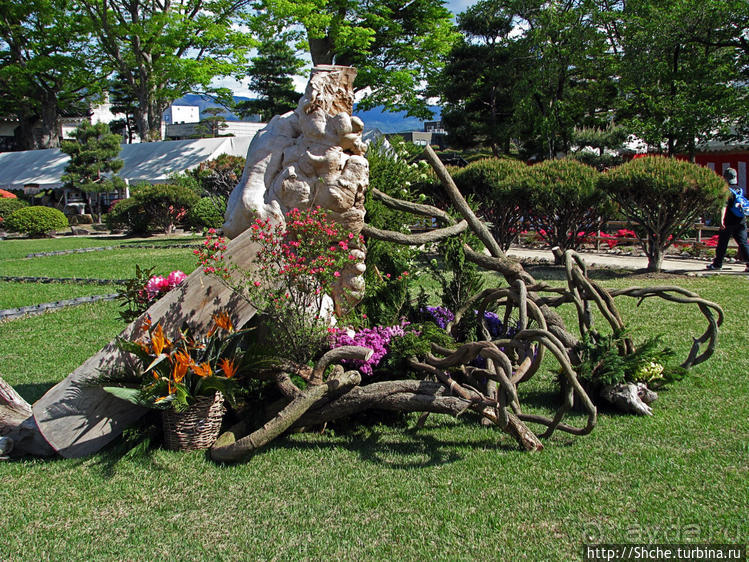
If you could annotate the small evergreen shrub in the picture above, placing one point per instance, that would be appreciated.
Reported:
(565, 202)
(36, 221)
(664, 197)
(7, 206)
(207, 213)
(497, 185)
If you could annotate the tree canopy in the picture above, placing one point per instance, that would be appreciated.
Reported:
(527, 74)
(396, 46)
(679, 69)
(164, 50)
(47, 68)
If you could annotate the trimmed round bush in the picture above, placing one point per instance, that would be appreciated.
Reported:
(565, 200)
(498, 185)
(664, 197)
(7, 206)
(207, 213)
(36, 221)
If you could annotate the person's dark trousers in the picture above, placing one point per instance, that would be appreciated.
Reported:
(738, 232)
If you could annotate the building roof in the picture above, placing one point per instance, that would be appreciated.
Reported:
(151, 162)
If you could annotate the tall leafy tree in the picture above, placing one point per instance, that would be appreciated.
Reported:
(124, 104)
(680, 67)
(162, 50)
(566, 81)
(271, 77)
(395, 45)
(47, 68)
(477, 84)
(528, 71)
(93, 162)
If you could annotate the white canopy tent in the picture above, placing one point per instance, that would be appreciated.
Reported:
(151, 162)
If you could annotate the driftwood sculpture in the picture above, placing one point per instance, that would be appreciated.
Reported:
(300, 164)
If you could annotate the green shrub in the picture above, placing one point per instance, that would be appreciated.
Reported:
(207, 213)
(498, 187)
(217, 178)
(128, 215)
(565, 200)
(7, 206)
(36, 221)
(153, 208)
(664, 197)
(389, 172)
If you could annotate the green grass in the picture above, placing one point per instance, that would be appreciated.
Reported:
(26, 294)
(453, 490)
(106, 264)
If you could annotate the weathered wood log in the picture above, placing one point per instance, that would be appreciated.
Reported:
(411, 207)
(414, 396)
(461, 204)
(77, 418)
(14, 410)
(630, 397)
(227, 450)
(414, 239)
(336, 355)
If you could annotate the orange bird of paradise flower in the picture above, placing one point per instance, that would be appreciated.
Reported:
(158, 340)
(202, 370)
(228, 367)
(182, 362)
(223, 321)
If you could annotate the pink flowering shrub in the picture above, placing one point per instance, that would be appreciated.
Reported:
(144, 289)
(711, 242)
(211, 254)
(291, 278)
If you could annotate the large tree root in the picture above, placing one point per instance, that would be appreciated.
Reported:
(227, 450)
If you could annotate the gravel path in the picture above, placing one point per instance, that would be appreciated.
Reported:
(670, 264)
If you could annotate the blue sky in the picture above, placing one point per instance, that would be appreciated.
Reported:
(457, 6)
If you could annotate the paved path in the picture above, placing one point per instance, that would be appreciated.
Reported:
(670, 265)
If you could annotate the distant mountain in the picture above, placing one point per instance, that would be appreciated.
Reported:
(204, 102)
(377, 118)
(398, 122)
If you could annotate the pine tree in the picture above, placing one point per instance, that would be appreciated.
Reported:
(213, 125)
(271, 77)
(93, 162)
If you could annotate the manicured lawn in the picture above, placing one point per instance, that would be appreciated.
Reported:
(117, 263)
(453, 490)
(26, 294)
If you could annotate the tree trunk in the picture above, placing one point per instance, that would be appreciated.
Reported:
(50, 119)
(320, 49)
(23, 135)
(655, 255)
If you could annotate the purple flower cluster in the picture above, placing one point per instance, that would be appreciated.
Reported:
(377, 339)
(442, 316)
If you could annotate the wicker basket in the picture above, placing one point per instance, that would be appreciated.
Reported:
(195, 428)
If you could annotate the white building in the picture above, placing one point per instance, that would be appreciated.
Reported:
(182, 114)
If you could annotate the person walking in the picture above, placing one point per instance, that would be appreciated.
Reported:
(732, 223)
